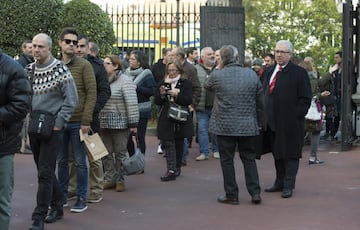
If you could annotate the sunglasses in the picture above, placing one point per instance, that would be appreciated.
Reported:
(68, 41)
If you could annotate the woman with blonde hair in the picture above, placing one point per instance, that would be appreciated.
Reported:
(173, 88)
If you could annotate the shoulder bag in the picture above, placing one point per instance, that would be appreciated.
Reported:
(177, 113)
(41, 124)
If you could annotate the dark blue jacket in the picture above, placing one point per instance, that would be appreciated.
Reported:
(15, 102)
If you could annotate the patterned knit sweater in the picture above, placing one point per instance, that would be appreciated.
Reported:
(54, 89)
(121, 111)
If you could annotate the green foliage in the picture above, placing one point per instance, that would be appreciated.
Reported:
(22, 19)
(314, 28)
(89, 19)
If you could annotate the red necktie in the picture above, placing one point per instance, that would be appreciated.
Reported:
(272, 84)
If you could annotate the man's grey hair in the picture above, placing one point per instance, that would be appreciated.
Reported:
(203, 50)
(94, 47)
(180, 51)
(48, 38)
(288, 45)
(229, 54)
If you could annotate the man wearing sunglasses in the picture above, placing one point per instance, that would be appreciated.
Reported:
(96, 176)
(85, 81)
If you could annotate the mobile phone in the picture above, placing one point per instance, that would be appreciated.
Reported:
(167, 86)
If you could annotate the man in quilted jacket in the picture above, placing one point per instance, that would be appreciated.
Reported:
(236, 119)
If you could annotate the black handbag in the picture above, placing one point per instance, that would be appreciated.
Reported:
(178, 113)
(41, 124)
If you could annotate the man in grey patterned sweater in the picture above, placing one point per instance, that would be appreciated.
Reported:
(54, 91)
(236, 120)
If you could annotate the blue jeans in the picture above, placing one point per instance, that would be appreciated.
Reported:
(203, 119)
(6, 189)
(71, 138)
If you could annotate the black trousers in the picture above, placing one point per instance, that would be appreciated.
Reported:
(141, 131)
(227, 146)
(49, 193)
(286, 171)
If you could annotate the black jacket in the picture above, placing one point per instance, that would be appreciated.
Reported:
(102, 84)
(166, 128)
(15, 102)
(158, 70)
(24, 60)
(286, 108)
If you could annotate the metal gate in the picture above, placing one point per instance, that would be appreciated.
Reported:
(151, 27)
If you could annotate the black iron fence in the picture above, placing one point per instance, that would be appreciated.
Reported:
(151, 27)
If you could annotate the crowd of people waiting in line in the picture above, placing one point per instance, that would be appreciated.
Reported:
(252, 109)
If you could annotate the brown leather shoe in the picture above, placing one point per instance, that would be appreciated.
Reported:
(227, 200)
(109, 185)
(120, 187)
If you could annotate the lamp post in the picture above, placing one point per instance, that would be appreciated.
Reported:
(177, 22)
(346, 75)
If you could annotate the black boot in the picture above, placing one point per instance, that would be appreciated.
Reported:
(37, 225)
(169, 175)
(54, 215)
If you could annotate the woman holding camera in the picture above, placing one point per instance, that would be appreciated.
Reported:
(174, 88)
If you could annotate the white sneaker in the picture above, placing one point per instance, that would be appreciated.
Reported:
(159, 150)
(216, 155)
(201, 157)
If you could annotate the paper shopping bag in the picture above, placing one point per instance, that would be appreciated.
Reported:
(95, 146)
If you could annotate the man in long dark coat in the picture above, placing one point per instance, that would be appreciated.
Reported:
(287, 99)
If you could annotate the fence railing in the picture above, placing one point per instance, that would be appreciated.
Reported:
(152, 27)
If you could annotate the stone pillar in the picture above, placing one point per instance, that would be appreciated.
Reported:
(223, 25)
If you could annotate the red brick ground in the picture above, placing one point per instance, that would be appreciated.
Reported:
(326, 197)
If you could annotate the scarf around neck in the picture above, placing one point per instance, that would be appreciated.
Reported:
(172, 81)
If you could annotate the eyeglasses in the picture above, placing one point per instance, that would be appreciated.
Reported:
(108, 63)
(68, 41)
(173, 70)
(282, 52)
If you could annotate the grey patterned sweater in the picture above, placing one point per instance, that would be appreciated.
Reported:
(54, 90)
(121, 111)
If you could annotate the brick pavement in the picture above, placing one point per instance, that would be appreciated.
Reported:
(326, 197)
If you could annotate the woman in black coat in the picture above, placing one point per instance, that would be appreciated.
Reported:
(178, 89)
